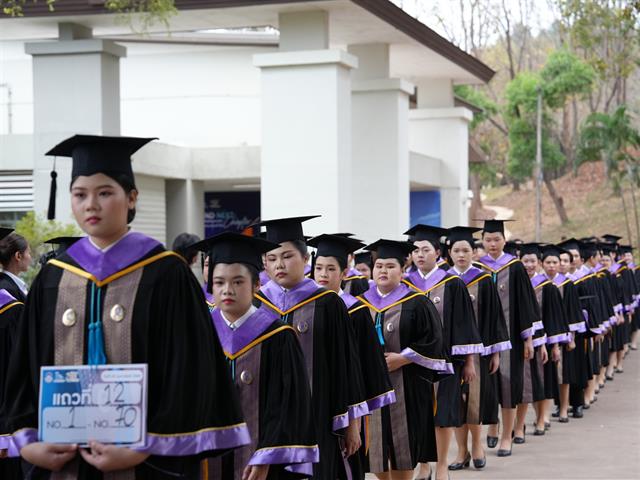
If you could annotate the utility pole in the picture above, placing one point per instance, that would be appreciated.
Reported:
(538, 169)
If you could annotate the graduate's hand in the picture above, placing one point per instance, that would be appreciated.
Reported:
(545, 355)
(469, 370)
(49, 456)
(352, 441)
(599, 338)
(494, 363)
(571, 345)
(528, 348)
(255, 472)
(555, 353)
(108, 458)
(395, 361)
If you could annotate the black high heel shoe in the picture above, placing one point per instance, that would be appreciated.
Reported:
(461, 465)
(520, 440)
(480, 462)
(492, 442)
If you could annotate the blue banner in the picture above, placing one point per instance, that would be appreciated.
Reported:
(230, 211)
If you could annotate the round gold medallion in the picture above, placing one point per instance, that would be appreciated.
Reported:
(436, 299)
(246, 377)
(390, 327)
(117, 313)
(473, 297)
(69, 317)
(302, 327)
(502, 286)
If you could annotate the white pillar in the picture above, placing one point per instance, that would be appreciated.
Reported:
(438, 129)
(185, 208)
(380, 181)
(306, 133)
(76, 83)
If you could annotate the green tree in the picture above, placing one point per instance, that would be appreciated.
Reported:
(37, 230)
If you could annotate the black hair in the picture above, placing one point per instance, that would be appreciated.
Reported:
(10, 245)
(127, 185)
(342, 263)
(301, 246)
(253, 271)
(182, 246)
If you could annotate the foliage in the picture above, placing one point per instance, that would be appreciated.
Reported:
(479, 99)
(563, 76)
(37, 230)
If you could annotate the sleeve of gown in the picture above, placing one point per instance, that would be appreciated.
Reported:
(192, 404)
(423, 340)
(493, 326)
(465, 337)
(375, 376)
(555, 324)
(573, 309)
(527, 311)
(9, 321)
(286, 436)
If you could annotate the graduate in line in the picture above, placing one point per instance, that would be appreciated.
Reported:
(325, 332)
(117, 296)
(519, 307)
(461, 338)
(266, 365)
(15, 258)
(402, 435)
(480, 396)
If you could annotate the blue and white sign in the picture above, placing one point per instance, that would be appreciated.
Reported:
(82, 403)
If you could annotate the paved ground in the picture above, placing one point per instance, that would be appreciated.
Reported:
(605, 444)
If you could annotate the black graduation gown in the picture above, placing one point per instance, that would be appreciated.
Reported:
(518, 302)
(165, 323)
(6, 283)
(355, 284)
(566, 368)
(403, 434)
(268, 369)
(480, 397)
(325, 332)
(460, 337)
(10, 312)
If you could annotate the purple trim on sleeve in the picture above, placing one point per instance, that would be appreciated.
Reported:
(538, 325)
(467, 349)
(560, 338)
(305, 469)
(577, 327)
(438, 365)
(197, 442)
(340, 422)
(358, 410)
(382, 400)
(597, 331)
(527, 333)
(497, 347)
(6, 298)
(20, 439)
(618, 308)
(585, 315)
(540, 340)
(289, 455)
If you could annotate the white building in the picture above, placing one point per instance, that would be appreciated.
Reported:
(343, 108)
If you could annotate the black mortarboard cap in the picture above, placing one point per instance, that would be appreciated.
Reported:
(363, 257)
(551, 251)
(391, 249)
(289, 229)
(625, 249)
(570, 244)
(335, 246)
(494, 226)
(457, 234)
(512, 247)
(4, 232)
(588, 249)
(426, 232)
(530, 249)
(93, 154)
(611, 238)
(62, 242)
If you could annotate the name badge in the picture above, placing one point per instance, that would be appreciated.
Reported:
(104, 403)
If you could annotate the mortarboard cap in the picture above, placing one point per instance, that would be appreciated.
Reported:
(611, 238)
(588, 249)
(430, 233)
(551, 251)
(625, 249)
(391, 249)
(457, 234)
(530, 249)
(494, 226)
(335, 246)
(62, 242)
(4, 232)
(282, 230)
(363, 257)
(570, 244)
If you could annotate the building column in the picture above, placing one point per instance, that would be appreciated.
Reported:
(76, 83)
(306, 125)
(185, 208)
(438, 129)
(380, 179)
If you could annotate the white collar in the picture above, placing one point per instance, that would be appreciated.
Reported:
(238, 323)
(425, 276)
(459, 273)
(382, 295)
(18, 281)
(109, 247)
(496, 259)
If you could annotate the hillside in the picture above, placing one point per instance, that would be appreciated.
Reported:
(591, 206)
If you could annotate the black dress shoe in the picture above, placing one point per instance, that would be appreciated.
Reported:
(492, 442)
(519, 440)
(538, 433)
(601, 386)
(504, 453)
(461, 465)
(563, 419)
(577, 412)
(609, 377)
(619, 370)
(556, 414)
(480, 462)
(586, 406)
(547, 425)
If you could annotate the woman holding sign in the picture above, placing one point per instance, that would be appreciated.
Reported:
(118, 297)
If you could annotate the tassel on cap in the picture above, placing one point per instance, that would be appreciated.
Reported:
(51, 212)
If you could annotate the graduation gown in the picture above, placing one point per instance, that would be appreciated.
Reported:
(7, 283)
(566, 367)
(460, 336)
(10, 312)
(520, 311)
(354, 283)
(480, 397)
(152, 312)
(325, 333)
(267, 367)
(403, 434)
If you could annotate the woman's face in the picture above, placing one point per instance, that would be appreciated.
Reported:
(606, 261)
(100, 205)
(285, 265)
(565, 263)
(387, 274)
(530, 262)
(364, 269)
(462, 255)
(205, 269)
(493, 243)
(327, 273)
(23, 260)
(551, 265)
(424, 256)
(233, 288)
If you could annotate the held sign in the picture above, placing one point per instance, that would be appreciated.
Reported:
(104, 403)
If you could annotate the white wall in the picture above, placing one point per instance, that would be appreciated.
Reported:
(15, 70)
